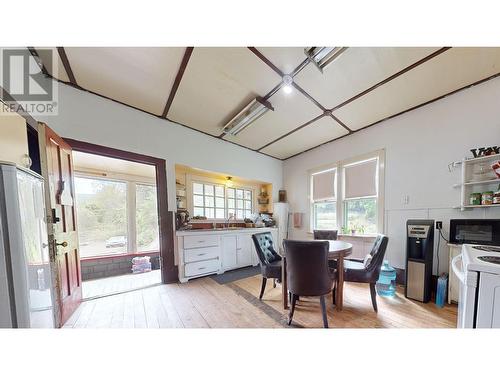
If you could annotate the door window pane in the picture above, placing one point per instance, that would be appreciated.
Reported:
(102, 216)
(147, 218)
(361, 215)
(324, 215)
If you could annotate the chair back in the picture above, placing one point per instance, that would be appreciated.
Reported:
(325, 234)
(265, 248)
(307, 267)
(377, 253)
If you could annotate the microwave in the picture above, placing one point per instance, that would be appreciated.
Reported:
(475, 231)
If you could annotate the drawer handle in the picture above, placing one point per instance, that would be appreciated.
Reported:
(201, 254)
(201, 241)
(201, 268)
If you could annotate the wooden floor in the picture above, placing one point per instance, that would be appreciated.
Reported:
(117, 284)
(204, 303)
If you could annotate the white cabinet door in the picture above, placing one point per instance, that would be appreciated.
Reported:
(244, 250)
(453, 282)
(229, 259)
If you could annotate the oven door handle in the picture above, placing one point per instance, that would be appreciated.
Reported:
(459, 273)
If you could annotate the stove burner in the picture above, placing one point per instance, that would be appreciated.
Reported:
(490, 259)
(487, 248)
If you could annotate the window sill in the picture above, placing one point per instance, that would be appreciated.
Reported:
(121, 255)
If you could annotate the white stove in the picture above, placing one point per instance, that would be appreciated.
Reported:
(478, 270)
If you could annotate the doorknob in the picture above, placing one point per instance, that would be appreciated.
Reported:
(63, 244)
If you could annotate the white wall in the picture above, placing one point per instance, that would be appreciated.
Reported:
(90, 118)
(419, 145)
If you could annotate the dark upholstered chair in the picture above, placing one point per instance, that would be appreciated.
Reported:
(269, 259)
(308, 272)
(367, 270)
(325, 234)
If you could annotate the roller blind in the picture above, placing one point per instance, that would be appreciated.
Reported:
(361, 179)
(324, 185)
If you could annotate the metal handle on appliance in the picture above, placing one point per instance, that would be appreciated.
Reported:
(460, 275)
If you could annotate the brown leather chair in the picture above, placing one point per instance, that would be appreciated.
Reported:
(269, 259)
(325, 234)
(308, 272)
(367, 270)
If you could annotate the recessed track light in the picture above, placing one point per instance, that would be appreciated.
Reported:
(323, 56)
(253, 111)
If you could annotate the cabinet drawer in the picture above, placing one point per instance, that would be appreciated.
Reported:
(193, 242)
(203, 253)
(200, 268)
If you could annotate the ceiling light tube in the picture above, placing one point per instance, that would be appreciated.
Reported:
(323, 56)
(253, 111)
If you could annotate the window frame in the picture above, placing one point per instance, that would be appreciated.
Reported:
(204, 195)
(131, 209)
(341, 211)
(191, 179)
(313, 202)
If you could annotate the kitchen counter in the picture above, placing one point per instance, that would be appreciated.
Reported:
(189, 232)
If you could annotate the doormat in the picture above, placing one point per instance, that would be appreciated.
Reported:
(235, 275)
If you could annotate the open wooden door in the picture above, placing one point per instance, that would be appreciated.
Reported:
(57, 169)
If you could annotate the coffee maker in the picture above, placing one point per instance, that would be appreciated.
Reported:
(182, 220)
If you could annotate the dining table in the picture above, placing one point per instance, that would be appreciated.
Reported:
(337, 250)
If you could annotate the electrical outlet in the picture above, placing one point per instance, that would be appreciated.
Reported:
(439, 225)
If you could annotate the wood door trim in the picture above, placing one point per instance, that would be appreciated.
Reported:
(177, 81)
(166, 218)
(66, 64)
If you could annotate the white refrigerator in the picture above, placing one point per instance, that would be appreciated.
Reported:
(26, 299)
(281, 215)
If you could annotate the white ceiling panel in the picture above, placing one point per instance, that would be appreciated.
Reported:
(286, 59)
(323, 130)
(290, 111)
(217, 84)
(52, 62)
(449, 71)
(357, 69)
(141, 77)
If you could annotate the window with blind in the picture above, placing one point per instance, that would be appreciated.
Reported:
(360, 196)
(349, 199)
(324, 210)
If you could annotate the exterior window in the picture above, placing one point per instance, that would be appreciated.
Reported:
(239, 203)
(360, 196)
(324, 210)
(146, 218)
(208, 200)
(102, 216)
(361, 214)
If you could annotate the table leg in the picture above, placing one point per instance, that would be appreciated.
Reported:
(284, 285)
(340, 284)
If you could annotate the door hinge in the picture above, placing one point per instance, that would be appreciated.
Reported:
(55, 219)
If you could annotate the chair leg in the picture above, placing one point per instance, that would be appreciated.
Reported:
(274, 283)
(292, 308)
(374, 296)
(334, 294)
(323, 311)
(263, 287)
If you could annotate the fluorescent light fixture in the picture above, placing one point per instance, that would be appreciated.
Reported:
(323, 56)
(253, 111)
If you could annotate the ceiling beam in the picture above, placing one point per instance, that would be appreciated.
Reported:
(388, 79)
(67, 66)
(400, 113)
(177, 81)
(293, 131)
(39, 61)
(268, 62)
